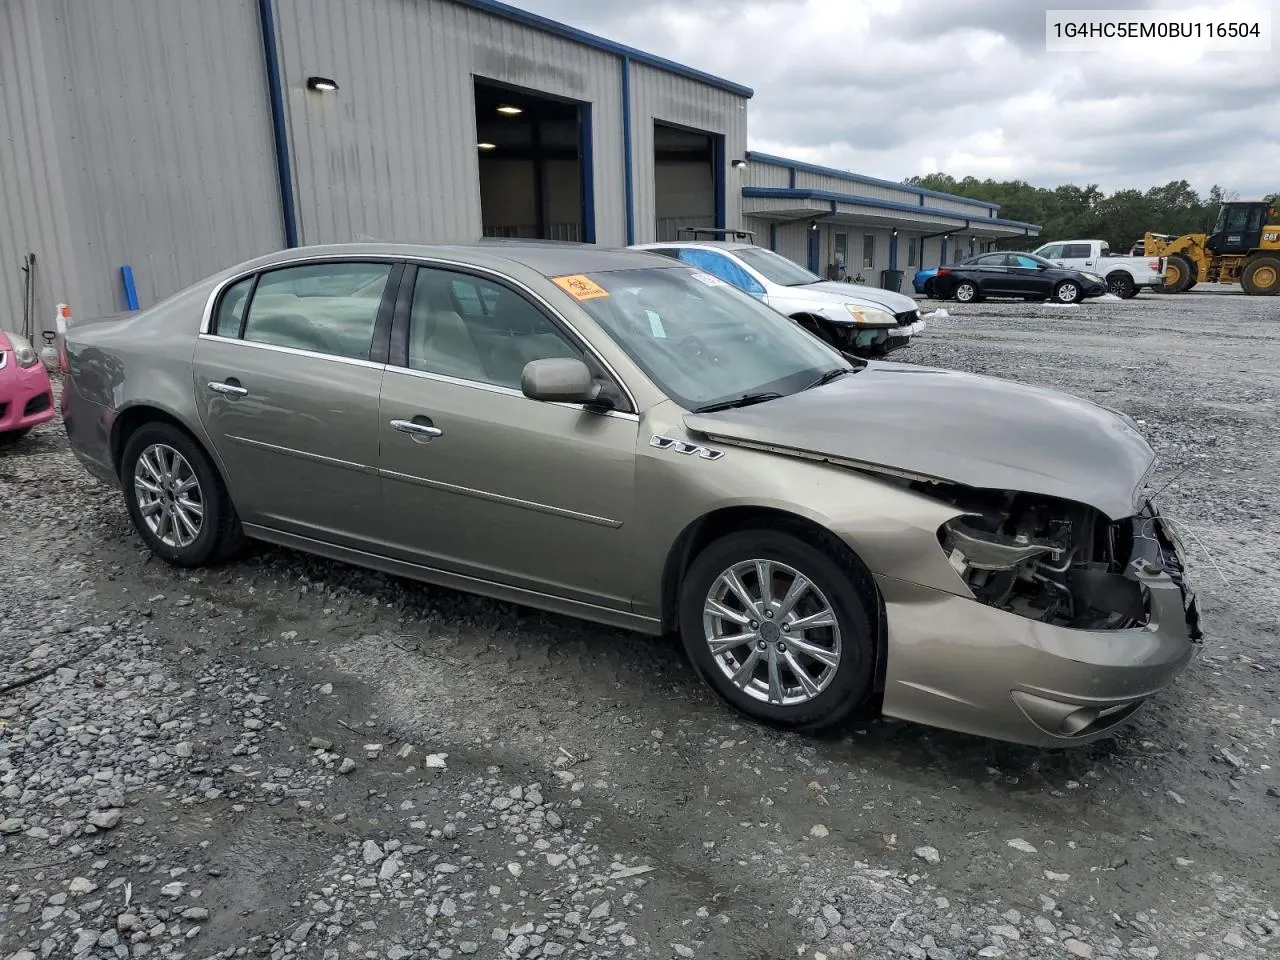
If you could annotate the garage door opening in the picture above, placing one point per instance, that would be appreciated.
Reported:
(535, 169)
(686, 173)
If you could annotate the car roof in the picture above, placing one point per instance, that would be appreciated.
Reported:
(549, 258)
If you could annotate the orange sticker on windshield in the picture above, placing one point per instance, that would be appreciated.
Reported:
(580, 287)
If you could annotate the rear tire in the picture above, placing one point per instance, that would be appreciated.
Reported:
(1261, 277)
(1122, 285)
(930, 289)
(1179, 274)
(966, 291)
(760, 676)
(176, 499)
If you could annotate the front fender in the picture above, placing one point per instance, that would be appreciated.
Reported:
(893, 530)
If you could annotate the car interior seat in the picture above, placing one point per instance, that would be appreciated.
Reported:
(439, 341)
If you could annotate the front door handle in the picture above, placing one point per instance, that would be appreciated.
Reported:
(231, 390)
(418, 429)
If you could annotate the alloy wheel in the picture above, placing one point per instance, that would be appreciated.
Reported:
(772, 632)
(169, 496)
(1068, 293)
(965, 292)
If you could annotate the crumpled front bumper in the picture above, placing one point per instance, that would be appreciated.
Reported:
(959, 664)
(886, 339)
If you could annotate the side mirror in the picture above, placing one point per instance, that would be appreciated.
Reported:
(560, 380)
(1042, 266)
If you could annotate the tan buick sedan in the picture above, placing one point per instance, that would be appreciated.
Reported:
(617, 436)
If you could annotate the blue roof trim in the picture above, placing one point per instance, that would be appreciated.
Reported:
(548, 25)
(768, 158)
(803, 193)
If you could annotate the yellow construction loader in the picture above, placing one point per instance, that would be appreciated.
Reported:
(1243, 248)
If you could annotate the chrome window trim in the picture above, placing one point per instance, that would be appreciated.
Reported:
(506, 391)
(294, 351)
(206, 320)
(4, 358)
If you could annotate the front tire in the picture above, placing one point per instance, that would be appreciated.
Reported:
(966, 292)
(1068, 291)
(1179, 274)
(177, 501)
(780, 629)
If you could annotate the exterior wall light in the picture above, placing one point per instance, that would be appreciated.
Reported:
(321, 84)
(739, 164)
(486, 146)
(510, 111)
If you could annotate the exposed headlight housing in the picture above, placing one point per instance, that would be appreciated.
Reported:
(870, 316)
(23, 352)
(971, 548)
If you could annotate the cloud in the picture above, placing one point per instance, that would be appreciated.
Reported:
(893, 88)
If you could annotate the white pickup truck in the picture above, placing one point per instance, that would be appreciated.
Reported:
(1125, 276)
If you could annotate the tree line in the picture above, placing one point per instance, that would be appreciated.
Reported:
(1069, 212)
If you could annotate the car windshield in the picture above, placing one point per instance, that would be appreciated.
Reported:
(700, 340)
(776, 268)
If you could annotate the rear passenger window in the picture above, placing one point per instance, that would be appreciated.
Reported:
(1076, 251)
(226, 323)
(324, 308)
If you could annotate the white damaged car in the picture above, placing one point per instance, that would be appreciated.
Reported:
(864, 321)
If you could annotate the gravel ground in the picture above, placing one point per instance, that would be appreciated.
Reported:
(291, 757)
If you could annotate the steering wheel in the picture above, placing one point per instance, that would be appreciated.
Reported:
(692, 346)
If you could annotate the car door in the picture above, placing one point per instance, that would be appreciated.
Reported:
(1025, 276)
(481, 481)
(989, 272)
(287, 385)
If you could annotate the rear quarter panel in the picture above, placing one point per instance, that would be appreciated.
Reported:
(143, 360)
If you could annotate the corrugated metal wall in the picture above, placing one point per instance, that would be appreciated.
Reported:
(761, 174)
(815, 181)
(33, 214)
(792, 239)
(164, 137)
(657, 95)
(392, 154)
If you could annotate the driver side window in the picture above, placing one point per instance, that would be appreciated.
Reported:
(325, 308)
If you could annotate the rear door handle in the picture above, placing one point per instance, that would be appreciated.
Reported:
(228, 389)
(418, 429)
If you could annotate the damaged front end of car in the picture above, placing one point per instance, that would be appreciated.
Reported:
(1063, 622)
(1063, 563)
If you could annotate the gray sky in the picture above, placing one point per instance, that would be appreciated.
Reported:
(893, 88)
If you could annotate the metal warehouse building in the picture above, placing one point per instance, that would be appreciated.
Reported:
(845, 225)
(176, 137)
(147, 143)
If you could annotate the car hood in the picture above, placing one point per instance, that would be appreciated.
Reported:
(829, 290)
(958, 427)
